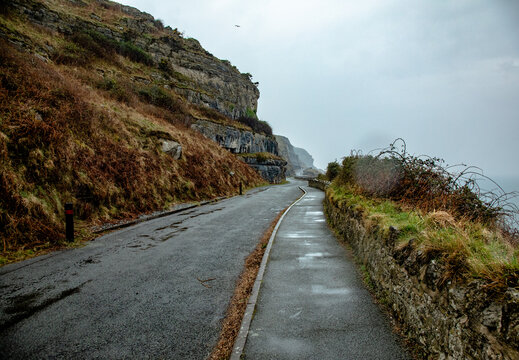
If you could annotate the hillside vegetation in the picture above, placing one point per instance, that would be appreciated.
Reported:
(435, 213)
(85, 125)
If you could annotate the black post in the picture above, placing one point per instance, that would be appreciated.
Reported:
(69, 221)
(241, 188)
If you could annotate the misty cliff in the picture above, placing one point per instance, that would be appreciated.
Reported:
(306, 160)
(298, 159)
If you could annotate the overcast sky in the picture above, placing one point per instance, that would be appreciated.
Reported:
(337, 75)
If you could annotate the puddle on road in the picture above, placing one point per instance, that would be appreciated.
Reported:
(310, 256)
(297, 235)
(311, 260)
(323, 290)
(287, 346)
(314, 213)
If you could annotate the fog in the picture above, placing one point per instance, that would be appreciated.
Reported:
(337, 75)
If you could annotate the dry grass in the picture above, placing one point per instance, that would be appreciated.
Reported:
(238, 304)
(63, 140)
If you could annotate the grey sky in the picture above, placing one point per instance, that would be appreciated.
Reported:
(337, 75)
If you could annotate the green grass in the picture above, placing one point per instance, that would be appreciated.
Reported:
(478, 250)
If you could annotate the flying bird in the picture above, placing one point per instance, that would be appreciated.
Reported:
(237, 25)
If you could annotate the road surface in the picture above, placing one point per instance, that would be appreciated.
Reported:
(138, 292)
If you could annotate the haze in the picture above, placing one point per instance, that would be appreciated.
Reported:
(338, 75)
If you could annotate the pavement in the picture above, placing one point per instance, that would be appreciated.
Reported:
(312, 303)
(158, 290)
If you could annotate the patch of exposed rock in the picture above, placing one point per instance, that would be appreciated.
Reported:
(172, 148)
(236, 140)
(272, 170)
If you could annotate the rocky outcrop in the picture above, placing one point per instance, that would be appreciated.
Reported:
(184, 65)
(445, 319)
(236, 140)
(172, 148)
(298, 159)
(246, 142)
(272, 170)
(286, 151)
(306, 160)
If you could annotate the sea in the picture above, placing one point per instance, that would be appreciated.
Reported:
(509, 184)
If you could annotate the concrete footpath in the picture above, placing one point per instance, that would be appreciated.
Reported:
(312, 303)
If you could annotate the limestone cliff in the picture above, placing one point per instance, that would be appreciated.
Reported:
(306, 160)
(236, 140)
(298, 159)
(185, 66)
(286, 151)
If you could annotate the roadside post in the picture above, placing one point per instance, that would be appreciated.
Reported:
(69, 221)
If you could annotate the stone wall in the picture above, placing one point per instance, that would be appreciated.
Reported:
(445, 319)
(318, 184)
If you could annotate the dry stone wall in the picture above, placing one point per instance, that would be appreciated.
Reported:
(447, 320)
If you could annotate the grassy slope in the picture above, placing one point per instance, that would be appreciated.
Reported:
(65, 135)
(466, 248)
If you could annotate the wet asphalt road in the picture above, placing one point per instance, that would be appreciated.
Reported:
(137, 293)
(312, 303)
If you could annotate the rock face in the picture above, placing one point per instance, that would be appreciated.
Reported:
(172, 148)
(306, 160)
(246, 142)
(298, 159)
(286, 151)
(190, 70)
(446, 320)
(271, 170)
(236, 140)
